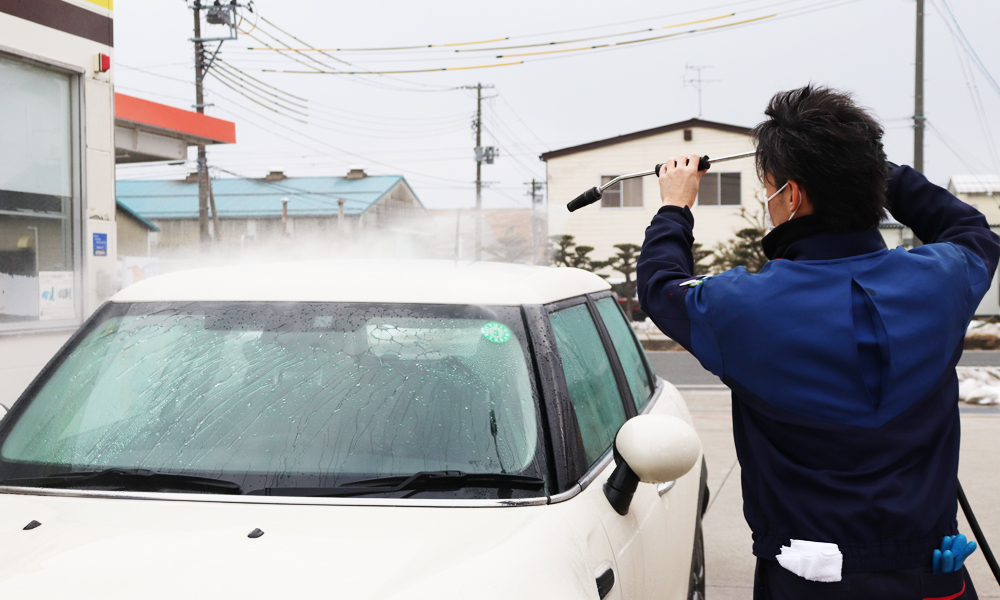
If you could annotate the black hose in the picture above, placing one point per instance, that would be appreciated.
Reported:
(978, 532)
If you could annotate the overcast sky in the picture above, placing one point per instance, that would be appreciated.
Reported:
(410, 124)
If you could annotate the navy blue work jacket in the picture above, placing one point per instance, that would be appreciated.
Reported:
(841, 358)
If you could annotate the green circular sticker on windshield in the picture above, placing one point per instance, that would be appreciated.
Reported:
(497, 333)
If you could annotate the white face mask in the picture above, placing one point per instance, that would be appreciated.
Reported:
(768, 222)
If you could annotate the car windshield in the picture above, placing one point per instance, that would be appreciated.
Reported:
(286, 395)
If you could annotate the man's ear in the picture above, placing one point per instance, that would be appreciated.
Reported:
(799, 199)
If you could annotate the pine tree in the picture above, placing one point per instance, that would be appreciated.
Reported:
(624, 261)
(700, 255)
(744, 250)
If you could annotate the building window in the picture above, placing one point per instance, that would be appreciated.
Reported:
(719, 189)
(626, 193)
(38, 280)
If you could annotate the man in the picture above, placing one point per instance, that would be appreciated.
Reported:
(840, 353)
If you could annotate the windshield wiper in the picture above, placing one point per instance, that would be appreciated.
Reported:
(138, 480)
(421, 481)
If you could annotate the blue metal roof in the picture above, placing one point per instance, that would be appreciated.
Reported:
(135, 216)
(307, 196)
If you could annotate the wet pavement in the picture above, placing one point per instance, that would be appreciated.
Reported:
(729, 561)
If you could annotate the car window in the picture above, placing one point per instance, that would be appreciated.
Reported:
(286, 394)
(589, 378)
(628, 352)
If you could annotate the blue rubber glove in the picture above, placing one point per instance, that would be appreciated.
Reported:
(954, 550)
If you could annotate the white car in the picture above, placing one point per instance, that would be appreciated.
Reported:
(334, 429)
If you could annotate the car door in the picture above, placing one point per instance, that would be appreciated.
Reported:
(665, 533)
(594, 391)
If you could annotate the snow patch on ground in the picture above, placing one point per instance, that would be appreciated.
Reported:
(979, 385)
(984, 328)
(646, 327)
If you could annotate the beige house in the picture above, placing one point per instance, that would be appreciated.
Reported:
(981, 191)
(627, 208)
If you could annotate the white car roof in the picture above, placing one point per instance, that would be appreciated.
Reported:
(398, 281)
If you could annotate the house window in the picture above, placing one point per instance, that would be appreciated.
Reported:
(626, 193)
(38, 279)
(719, 189)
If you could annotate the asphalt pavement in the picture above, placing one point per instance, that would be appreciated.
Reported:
(729, 560)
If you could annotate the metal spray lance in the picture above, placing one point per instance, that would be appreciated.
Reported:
(594, 194)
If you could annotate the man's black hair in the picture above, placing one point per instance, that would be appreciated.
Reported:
(832, 147)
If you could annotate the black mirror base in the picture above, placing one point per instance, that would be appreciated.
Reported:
(620, 487)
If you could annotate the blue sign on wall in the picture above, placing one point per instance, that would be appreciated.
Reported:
(100, 244)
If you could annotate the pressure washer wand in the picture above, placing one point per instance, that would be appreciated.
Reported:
(978, 532)
(594, 194)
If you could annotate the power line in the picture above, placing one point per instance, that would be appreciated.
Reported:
(968, 160)
(968, 46)
(428, 87)
(254, 100)
(518, 117)
(222, 75)
(727, 5)
(977, 104)
(507, 64)
(825, 5)
(185, 81)
(228, 66)
(396, 72)
(391, 49)
(639, 41)
(341, 150)
(497, 48)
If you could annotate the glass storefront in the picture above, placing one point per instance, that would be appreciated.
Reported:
(38, 171)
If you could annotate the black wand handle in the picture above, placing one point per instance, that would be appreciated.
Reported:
(703, 165)
(978, 532)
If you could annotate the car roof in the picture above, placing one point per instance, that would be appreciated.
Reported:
(388, 281)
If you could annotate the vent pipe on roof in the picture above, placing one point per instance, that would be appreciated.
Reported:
(356, 172)
(276, 174)
(340, 213)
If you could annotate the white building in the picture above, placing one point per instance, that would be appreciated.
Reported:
(57, 172)
(981, 191)
(627, 208)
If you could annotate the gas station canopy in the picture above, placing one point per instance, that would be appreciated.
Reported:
(148, 131)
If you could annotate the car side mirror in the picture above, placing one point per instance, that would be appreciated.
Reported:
(652, 449)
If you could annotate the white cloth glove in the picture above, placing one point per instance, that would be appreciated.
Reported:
(815, 561)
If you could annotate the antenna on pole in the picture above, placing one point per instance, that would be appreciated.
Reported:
(697, 82)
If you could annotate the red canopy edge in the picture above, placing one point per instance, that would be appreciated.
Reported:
(161, 116)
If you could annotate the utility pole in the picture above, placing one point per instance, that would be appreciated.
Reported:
(536, 197)
(483, 155)
(199, 95)
(218, 14)
(479, 172)
(698, 83)
(918, 94)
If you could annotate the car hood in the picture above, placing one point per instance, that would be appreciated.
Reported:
(89, 547)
